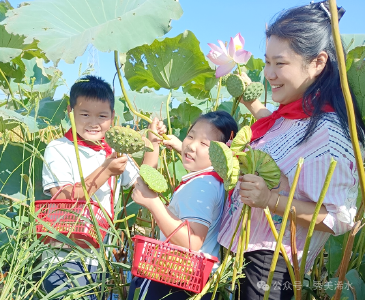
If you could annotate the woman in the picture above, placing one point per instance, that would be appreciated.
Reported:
(311, 122)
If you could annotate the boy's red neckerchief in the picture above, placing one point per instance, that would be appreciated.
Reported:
(102, 146)
(292, 111)
(96, 147)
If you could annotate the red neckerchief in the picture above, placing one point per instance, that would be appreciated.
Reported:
(96, 147)
(290, 111)
(213, 173)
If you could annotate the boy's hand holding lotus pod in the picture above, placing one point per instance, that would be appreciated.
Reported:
(230, 163)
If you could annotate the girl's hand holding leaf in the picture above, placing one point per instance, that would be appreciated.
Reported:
(254, 191)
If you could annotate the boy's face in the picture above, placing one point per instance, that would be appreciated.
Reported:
(92, 118)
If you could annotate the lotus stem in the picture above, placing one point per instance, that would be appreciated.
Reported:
(360, 244)
(238, 262)
(345, 260)
(276, 235)
(227, 254)
(7, 82)
(211, 280)
(326, 184)
(283, 226)
(294, 251)
(248, 228)
(129, 103)
(347, 95)
(218, 93)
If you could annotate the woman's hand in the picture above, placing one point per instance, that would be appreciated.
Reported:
(173, 143)
(254, 192)
(142, 195)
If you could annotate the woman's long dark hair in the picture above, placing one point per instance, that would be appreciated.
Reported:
(308, 31)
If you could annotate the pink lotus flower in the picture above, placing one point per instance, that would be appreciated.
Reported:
(226, 60)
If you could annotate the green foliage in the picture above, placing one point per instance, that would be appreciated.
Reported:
(351, 41)
(170, 63)
(334, 246)
(184, 115)
(356, 75)
(73, 25)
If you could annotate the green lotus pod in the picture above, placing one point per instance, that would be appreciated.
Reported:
(242, 138)
(235, 85)
(264, 166)
(153, 179)
(224, 79)
(253, 91)
(233, 179)
(221, 158)
(126, 140)
(242, 68)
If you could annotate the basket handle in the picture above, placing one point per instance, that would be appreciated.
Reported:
(186, 222)
(61, 189)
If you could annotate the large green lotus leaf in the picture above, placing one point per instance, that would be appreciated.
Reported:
(356, 78)
(50, 112)
(333, 247)
(15, 161)
(353, 287)
(170, 63)
(149, 104)
(201, 85)
(10, 116)
(355, 54)
(65, 28)
(184, 115)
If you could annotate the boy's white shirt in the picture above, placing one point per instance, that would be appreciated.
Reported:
(60, 157)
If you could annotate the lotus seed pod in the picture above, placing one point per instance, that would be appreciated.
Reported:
(253, 91)
(242, 138)
(233, 179)
(264, 166)
(124, 140)
(224, 79)
(153, 179)
(221, 158)
(242, 68)
(235, 85)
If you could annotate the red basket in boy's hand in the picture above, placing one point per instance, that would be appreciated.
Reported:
(70, 217)
(171, 264)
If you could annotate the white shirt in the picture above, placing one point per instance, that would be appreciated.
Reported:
(60, 168)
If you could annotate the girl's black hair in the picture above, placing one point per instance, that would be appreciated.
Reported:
(308, 32)
(92, 87)
(221, 120)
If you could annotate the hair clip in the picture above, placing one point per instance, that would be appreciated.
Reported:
(341, 11)
(325, 10)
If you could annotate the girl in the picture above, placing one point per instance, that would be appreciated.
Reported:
(199, 198)
(311, 122)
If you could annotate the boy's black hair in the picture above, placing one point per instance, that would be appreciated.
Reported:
(308, 31)
(221, 120)
(93, 88)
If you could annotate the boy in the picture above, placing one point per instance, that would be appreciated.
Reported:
(92, 101)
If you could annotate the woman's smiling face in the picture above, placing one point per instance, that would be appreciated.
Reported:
(287, 72)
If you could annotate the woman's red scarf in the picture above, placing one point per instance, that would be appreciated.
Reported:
(96, 147)
(292, 111)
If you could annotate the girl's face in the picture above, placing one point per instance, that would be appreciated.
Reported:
(195, 147)
(288, 74)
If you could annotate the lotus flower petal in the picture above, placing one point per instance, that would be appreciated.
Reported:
(224, 69)
(214, 47)
(223, 46)
(218, 58)
(242, 56)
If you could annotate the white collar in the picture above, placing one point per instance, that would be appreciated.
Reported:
(196, 173)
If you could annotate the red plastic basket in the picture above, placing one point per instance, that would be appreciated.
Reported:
(171, 264)
(66, 215)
